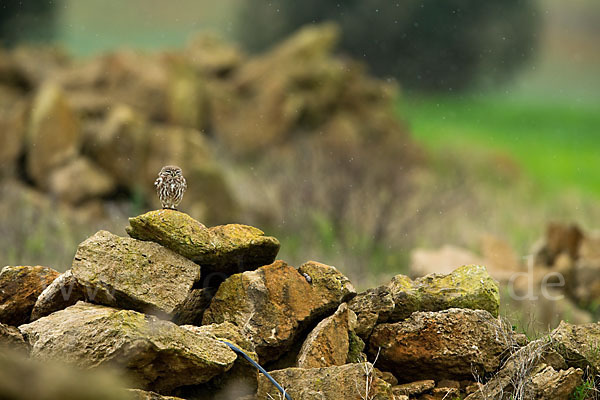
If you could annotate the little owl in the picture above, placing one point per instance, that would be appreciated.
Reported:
(170, 186)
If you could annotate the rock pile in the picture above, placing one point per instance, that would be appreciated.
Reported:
(88, 131)
(143, 306)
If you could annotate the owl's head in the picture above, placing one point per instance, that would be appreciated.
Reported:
(170, 170)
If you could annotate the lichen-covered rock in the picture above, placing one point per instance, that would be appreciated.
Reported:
(469, 286)
(275, 303)
(20, 287)
(54, 135)
(12, 339)
(241, 380)
(226, 249)
(372, 307)
(80, 180)
(579, 345)
(157, 354)
(346, 382)
(63, 292)
(134, 274)
(328, 343)
(451, 344)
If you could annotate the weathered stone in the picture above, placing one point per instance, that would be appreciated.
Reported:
(129, 273)
(63, 292)
(275, 303)
(12, 339)
(372, 307)
(469, 286)
(137, 394)
(414, 388)
(241, 380)
(514, 378)
(80, 180)
(54, 135)
(450, 344)
(579, 345)
(224, 249)
(157, 354)
(346, 382)
(20, 287)
(328, 343)
(550, 384)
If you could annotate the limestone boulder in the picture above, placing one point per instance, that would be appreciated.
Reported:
(224, 249)
(328, 343)
(158, 355)
(63, 292)
(449, 344)
(20, 287)
(469, 286)
(134, 274)
(274, 304)
(346, 382)
(54, 135)
(80, 180)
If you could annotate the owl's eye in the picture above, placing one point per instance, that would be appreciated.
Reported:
(179, 172)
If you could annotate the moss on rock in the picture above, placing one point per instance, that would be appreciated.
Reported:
(228, 248)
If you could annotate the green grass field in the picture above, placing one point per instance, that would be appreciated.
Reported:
(557, 145)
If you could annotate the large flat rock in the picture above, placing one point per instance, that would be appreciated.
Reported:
(128, 273)
(158, 355)
(225, 249)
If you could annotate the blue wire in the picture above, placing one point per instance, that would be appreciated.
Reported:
(261, 369)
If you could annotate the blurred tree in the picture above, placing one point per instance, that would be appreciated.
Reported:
(427, 44)
(27, 21)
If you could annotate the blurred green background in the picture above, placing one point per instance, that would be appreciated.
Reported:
(502, 96)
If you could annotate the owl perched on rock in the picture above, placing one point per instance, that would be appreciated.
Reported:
(170, 186)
